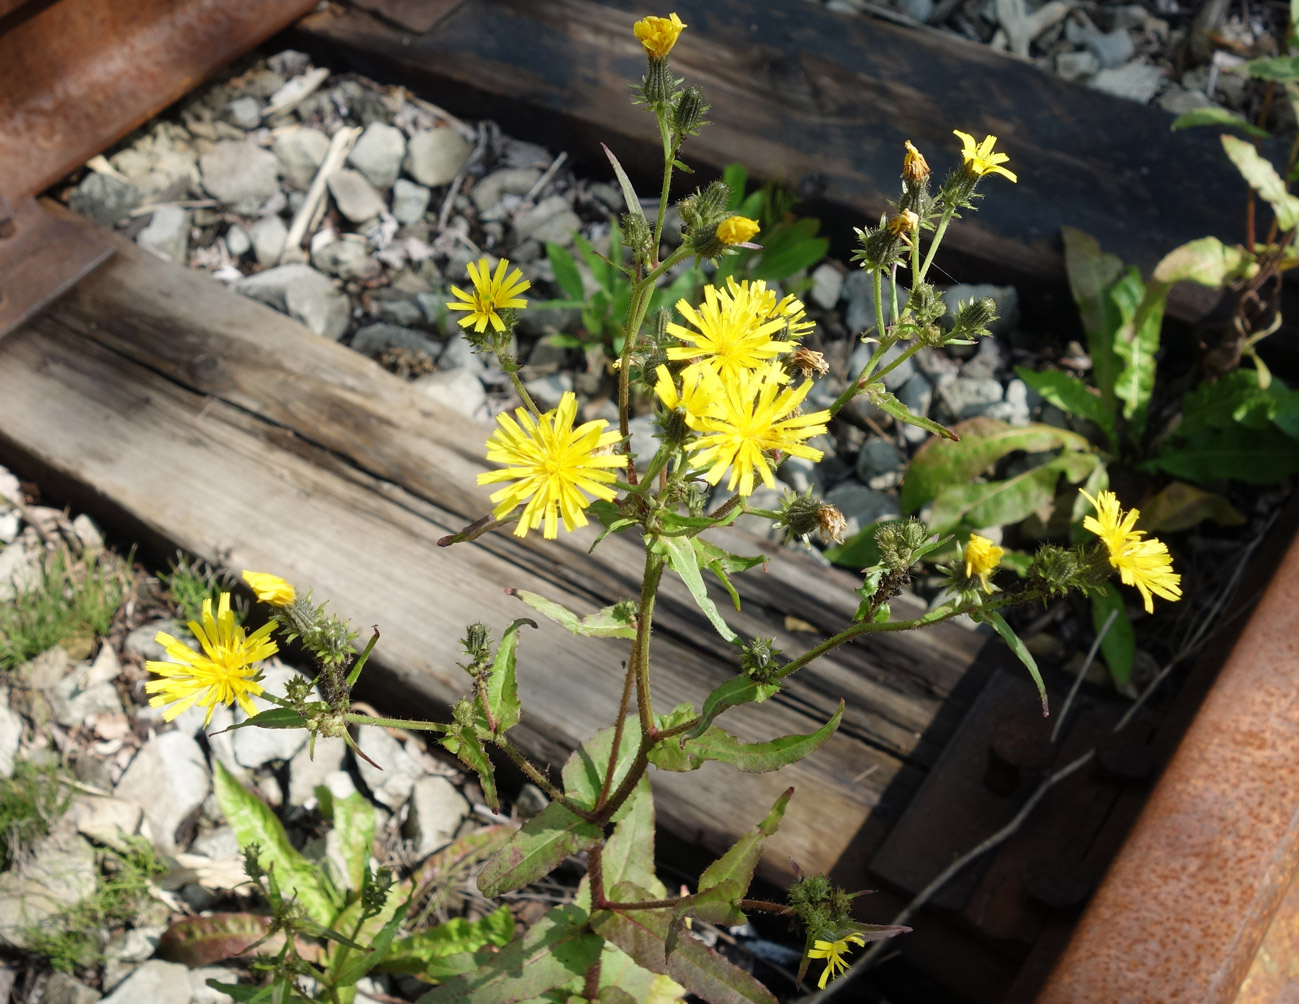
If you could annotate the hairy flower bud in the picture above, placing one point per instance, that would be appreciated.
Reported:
(688, 116)
(899, 541)
(759, 658)
(973, 318)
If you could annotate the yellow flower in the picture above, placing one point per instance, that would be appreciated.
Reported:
(833, 952)
(1145, 564)
(737, 229)
(221, 674)
(914, 166)
(700, 393)
(979, 159)
(762, 301)
(551, 464)
(903, 225)
(492, 293)
(982, 557)
(658, 34)
(270, 588)
(730, 339)
(754, 416)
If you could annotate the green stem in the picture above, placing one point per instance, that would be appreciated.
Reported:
(893, 294)
(941, 229)
(538, 778)
(669, 155)
(411, 724)
(528, 403)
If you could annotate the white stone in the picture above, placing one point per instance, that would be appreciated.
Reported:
(268, 236)
(1135, 81)
(392, 785)
(155, 982)
(355, 197)
(378, 154)
(308, 769)
(409, 201)
(254, 747)
(434, 158)
(436, 811)
(240, 174)
(489, 189)
(61, 988)
(458, 389)
(169, 779)
(11, 734)
(105, 819)
(300, 153)
(167, 234)
(60, 873)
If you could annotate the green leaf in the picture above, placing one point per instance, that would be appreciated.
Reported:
(502, 682)
(1091, 275)
(1179, 506)
(619, 972)
(274, 718)
(243, 993)
(1021, 651)
(1206, 261)
(736, 178)
(424, 954)
(1072, 395)
(643, 934)
(734, 692)
(1218, 117)
(890, 404)
(556, 950)
(1119, 644)
(680, 754)
(254, 823)
(1136, 343)
(1233, 399)
(1257, 456)
(681, 554)
(628, 192)
(353, 819)
(629, 853)
(1262, 177)
(1273, 68)
(203, 941)
(359, 964)
(567, 276)
(1000, 503)
(860, 550)
(540, 846)
(617, 621)
(940, 463)
(466, 745)
(585, 769)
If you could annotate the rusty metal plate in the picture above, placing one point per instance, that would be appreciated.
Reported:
(77, 75)
(40, 259)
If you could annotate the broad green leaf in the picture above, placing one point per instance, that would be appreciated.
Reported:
(1091, 275)
(1136, 343)
(274, 718)
(1206, 261)
(353, 818)
(617, 621)
(1273, 68)
(619, 972)
(890, 404)
(629, 853)
(1000, 503)
(1180, 506)
(1021, 651)
(1262, 177)
(681, 754)
(585, 769)
(502, 680)
(628, 192)
(1072, 395)
(204, 941)
(254, 823)
(425, 953)
(1257, 456)
(736, 178)
(1119, 643)
(734, 692)
(643, 934)
(556, 950)
(940, 463)
(540, 846)
(1219, 117)
(1233, 399)
(567, 277)
(469, 748)
(684, 559)
(358, 964)
(242, 992)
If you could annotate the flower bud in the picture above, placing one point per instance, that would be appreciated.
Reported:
(914, 167)
(973, 318)
(759, 658)
(688, 116)
(899, 541)
(737, 230)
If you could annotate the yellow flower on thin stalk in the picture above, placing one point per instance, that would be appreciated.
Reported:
(833, 952)
(1145, 564)
(270, 588)
(550, 464)
(980, 159)
(223, 673)
(730, 339)
(700, 393)
(492, 293)
(658, 34)
(766, 307)
(982, 557)
(737, 230)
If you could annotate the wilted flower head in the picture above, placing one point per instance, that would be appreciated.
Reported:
(914, 167)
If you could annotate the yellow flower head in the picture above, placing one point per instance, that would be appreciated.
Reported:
(700, 393)
(221, 674)
(755, 415)
(737, 230)
(833, 952)
(550, 464)
(1145, 564)
(658, 34)
(492, 293)
(982, 557)
(762, 301)
(270, 588)
(914, 166)
(730, 338)
(979, 159)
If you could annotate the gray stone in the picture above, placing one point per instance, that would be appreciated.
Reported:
(46, 670)
(801, 473)
(309, 768)
(87, 533)
(20, 569)
(409, 201)
(434, 158)
(531, 801)
(895, 377)
(105, 820)
(1111, 49)
(547, 390)
(1080, 64)
(168, 778)
(918, 395)
(459, 354)
(268, 236)
(988, 360)
(880, 464)
(644, 437)
(827, 284)
(859, 315)
(104, 198)
(1014, 407)
(971, 396)
(436, 811)
(11, 734)
(155, 982)
(238, 243)
(61, 988)
(552, 219)
(1135, 81)
(141, 641)
(375, 338)
(1005, 297)
(347, 258)
(861, 506)
(1178, 100)
(245, 112)
(300, 153)
(255, 747)
(159, 167)
(303, 293)
(919, 9)
(489, 189)
(392, 785)
(378, 154)
(355, 197)
(458, 389)
(201, 993)
(167, 234)
(134, 944)
(240, 174)
(10, 524)
(219, 843)
(82, 693)
(60, 873)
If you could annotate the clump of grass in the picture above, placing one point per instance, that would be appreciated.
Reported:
(189, 583)
(30, 803)
(75, 599)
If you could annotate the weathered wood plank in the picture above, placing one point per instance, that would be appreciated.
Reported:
(805, 93)
(227, 429)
